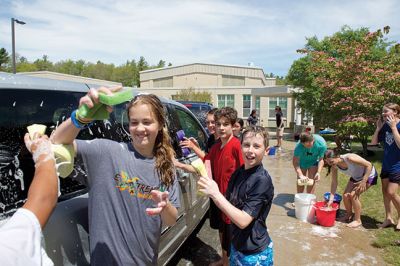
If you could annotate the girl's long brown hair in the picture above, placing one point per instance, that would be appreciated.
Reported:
(162, 149)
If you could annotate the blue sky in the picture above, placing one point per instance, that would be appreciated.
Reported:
(265, 33)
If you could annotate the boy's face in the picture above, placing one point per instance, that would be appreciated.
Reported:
(236, 129)
(224, 128)
(253, 150)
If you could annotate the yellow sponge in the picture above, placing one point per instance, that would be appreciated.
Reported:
(199, 166)
(36, 128)
(64, 155)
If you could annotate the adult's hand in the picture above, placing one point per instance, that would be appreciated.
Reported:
(39, 146)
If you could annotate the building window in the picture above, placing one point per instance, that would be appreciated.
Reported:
(275, 101)
(246, 105)
(258, 104)
(163, 82)
(226, 100)
(232, 81)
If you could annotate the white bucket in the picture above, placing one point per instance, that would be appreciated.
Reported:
(304, 210)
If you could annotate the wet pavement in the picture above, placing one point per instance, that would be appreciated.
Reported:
(295, 242)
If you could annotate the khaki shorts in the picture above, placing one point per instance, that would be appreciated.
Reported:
(279, 132)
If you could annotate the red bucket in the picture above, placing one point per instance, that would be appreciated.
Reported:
(325, 216)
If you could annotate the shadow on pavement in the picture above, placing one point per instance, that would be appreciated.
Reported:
(285, 200)
(196, 251)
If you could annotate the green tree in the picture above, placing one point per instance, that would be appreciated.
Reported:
(161, 64)
(354, 73)
(191, 94)
(43, 64)
(4, 59)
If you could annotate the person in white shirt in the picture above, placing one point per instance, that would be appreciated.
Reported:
(20, 236)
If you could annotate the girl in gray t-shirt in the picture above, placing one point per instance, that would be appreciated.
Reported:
(132, 186)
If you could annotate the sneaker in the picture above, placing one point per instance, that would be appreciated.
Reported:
(279, 149)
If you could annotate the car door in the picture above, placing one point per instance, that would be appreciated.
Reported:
(198, 203)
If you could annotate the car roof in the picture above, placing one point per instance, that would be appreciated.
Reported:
(194, 102)
(15, 81)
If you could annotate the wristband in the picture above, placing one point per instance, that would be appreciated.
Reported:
(78, 123)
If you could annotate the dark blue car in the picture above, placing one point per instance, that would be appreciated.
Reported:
(199, 109)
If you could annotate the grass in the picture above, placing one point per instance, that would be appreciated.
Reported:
(373, 212)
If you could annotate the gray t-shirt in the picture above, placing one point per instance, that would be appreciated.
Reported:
(120, 181)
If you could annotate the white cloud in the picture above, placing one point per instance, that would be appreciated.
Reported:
(231, 32)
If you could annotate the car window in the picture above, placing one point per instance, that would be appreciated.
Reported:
(19, 109)
(191, 127)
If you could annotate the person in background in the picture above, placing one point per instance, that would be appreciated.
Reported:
(362, 176)
(247, 202)
(225, 157)
(308, 159)
(20, 236)
(387, 131)
(252, 120)
(279, 127)
(238, 127)
(133, 190)
(192, 143)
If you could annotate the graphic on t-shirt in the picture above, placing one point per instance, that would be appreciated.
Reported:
(389, 138)
(133, 185)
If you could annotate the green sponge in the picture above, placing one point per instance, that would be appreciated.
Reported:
(116, 98)
(99, 110)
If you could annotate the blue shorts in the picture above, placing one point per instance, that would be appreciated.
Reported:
(393, 177)
(262, 258)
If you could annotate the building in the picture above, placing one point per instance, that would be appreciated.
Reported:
(241, 87)
(61, 76)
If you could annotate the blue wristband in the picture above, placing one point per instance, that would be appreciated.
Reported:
(77, 123)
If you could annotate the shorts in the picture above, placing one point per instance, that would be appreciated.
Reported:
(313, 165)
(279, 131)
(372, 179)
(265, 257)
(226, 231)
(215, 216)
(393, 177)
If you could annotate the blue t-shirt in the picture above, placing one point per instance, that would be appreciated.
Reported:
(310, 157)
(391, 152)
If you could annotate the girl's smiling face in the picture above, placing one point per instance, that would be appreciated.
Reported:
(143, 128)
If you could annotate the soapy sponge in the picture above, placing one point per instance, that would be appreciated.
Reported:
(99, 110)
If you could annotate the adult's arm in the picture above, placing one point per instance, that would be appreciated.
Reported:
(296, 165)
(319, 169)
(43, 191)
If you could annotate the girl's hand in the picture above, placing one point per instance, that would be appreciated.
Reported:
(186, 143)
(194, 141)
(161, 199)
(391, 120)
(208, 186)
(302, 177)
(361, 186)
(329, 203)
(317, 177)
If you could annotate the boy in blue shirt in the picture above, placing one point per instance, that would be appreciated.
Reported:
(247, 202)
(308, 159)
